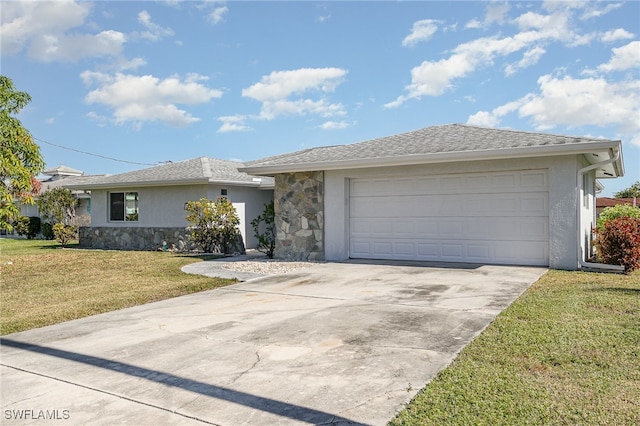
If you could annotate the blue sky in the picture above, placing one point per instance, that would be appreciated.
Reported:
(148, 82)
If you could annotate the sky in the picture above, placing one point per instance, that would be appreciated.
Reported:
(122, 85)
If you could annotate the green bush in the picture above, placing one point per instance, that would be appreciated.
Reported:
(621, 210)
(64, 233)
(213, 225)
(21, 225)
(266, 239)
(47, 231)
(29, 226)
(618, 243)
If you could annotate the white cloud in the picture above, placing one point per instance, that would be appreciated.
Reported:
(50, 120)
(147, 98)
(623, 58)
(615, 35)
(275, 89)
(43, 29)
(217, 14)
(593, 11)
(422, 31)
(21, 22)
(71, 48)
(572, 102)
(435, 77)
(334, 125)
(233, 123)
(530, 57)
(496, 12)
(154, 31)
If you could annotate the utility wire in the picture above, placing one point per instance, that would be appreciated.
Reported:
(95, 155)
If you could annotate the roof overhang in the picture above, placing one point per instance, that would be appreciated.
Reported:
(147, 184)
(594, 152)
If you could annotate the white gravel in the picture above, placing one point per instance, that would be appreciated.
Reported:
(265, 266)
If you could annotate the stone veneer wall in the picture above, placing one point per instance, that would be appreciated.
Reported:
(299, 216)
(121, 238)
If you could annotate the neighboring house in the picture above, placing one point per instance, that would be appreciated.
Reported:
(453, 193)
(141, 209)
(60, 176)
(604, 202)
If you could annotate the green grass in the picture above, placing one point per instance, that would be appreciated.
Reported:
(42, 284)
(565, 353)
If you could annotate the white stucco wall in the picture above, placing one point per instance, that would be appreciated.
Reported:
(563, 246)
(164, 206)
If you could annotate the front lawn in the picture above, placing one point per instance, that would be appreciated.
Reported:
(42, 284)
(565, 353)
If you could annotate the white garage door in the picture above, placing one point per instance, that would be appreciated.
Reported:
(500, 218)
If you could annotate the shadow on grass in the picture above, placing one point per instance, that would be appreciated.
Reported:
(623, 290)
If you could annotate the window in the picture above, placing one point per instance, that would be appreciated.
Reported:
(123, 206)
(223, 193)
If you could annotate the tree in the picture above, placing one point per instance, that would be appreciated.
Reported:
(20, 158)
(213, 224)
(632, 191)
(58, 205)
(266, 239)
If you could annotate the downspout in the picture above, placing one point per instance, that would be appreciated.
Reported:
(583, 264)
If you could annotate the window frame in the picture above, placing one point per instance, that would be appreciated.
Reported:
(126, 217)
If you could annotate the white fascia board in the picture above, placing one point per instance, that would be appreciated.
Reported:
(137, 184)
(440, 157)
(140, 184)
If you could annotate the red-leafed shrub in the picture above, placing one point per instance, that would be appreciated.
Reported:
(618, 242)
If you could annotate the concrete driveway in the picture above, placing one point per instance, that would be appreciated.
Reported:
(337, 343)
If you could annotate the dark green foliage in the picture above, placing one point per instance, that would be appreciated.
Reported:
(58, 205)
(20, 158)
(266, 223)
(47, 231)
(29, 226)
(21, 225)
(632, 191)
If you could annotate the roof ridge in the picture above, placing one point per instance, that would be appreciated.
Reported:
(205, 164)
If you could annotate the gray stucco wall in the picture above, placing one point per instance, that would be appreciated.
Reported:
(162, 207)
(299, 208)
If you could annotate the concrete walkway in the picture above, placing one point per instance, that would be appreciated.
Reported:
(337, 343)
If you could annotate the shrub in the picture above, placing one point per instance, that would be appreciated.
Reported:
(213, 225)
(621, 210)
(21, 225)
(64, 233)
(266, 239)
(29, 226)
(47, 231)
(618, 243)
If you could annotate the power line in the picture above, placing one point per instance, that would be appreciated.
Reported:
(95, 155)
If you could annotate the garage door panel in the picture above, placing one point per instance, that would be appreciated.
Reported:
(476, 183)
(501, 218)
(496, 229)
(449, 205)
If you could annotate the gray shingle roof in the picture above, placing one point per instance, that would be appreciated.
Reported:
(198, 170)
(451, 138)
